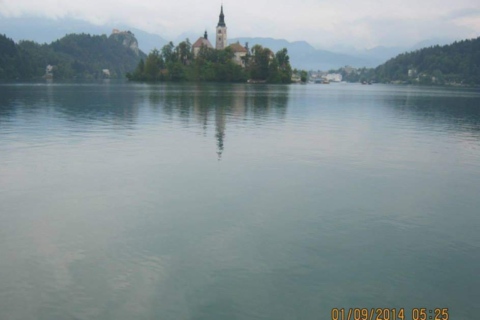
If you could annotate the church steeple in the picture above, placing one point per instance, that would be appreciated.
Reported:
(221, 37)
(221, 20)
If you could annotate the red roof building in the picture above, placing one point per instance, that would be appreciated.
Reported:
(202, 41)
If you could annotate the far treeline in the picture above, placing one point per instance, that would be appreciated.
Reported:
(84, 56)
(177, 63)
(454, 64)
(75, 56)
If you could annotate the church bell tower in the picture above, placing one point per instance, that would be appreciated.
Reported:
(221, 36)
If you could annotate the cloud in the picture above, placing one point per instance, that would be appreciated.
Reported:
(364, 23)
(469, 18)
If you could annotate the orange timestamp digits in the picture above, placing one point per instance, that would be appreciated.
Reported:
(389, 314)
(368, 314)
(426, 314)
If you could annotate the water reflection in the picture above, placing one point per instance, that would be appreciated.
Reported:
(89, 106)
(105, 104)
(216, 105)
(455, 113)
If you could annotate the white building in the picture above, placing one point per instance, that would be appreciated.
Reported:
(334, 77)
(221, 36)
(240, 52)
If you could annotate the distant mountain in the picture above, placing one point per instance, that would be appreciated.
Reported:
(304, 56)
(430, 43)
(296, 47)
(44, 30)
(457, 63)
(380, 54)
(191, 36)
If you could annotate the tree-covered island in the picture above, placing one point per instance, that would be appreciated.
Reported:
(181, 64)
(224, 63)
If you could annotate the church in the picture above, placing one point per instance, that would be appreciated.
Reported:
(221, 42)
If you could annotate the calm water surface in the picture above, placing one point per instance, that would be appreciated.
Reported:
(123, 201)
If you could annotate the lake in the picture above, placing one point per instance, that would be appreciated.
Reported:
(218, 201)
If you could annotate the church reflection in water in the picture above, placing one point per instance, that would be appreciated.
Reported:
(218, 105)
(237, 104)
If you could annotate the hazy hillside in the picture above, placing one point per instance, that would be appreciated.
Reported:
(458, 63)
(302, 54)
(380, 54)
(305, 56)
(44, 30)
(80, 56)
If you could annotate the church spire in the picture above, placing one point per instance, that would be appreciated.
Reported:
(221, 20)
(221, 37)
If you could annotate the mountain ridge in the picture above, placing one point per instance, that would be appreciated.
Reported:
(303, 55)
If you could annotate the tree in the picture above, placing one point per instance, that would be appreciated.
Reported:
(303, 76)
(153, 66)
(184, 52)
(285, 69)
(259, 63)
(168, 52)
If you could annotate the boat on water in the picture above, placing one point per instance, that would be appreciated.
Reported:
(322, 81)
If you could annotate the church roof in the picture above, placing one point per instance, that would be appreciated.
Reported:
(202, 41)
(237, 47)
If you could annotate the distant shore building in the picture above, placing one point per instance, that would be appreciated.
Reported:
(240, 52)
(48, 72)
(334, 77)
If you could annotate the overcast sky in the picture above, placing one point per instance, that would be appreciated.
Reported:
(323, 23)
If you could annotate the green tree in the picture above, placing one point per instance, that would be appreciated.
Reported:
(303, 76)
(285, 69)
(184, 52)
(153, 66)
(260, 60)
(168, 53)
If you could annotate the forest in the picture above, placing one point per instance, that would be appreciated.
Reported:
(457, 63)
(75, 56)
(454, 64)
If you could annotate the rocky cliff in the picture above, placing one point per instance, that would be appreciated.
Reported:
(127, 39)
